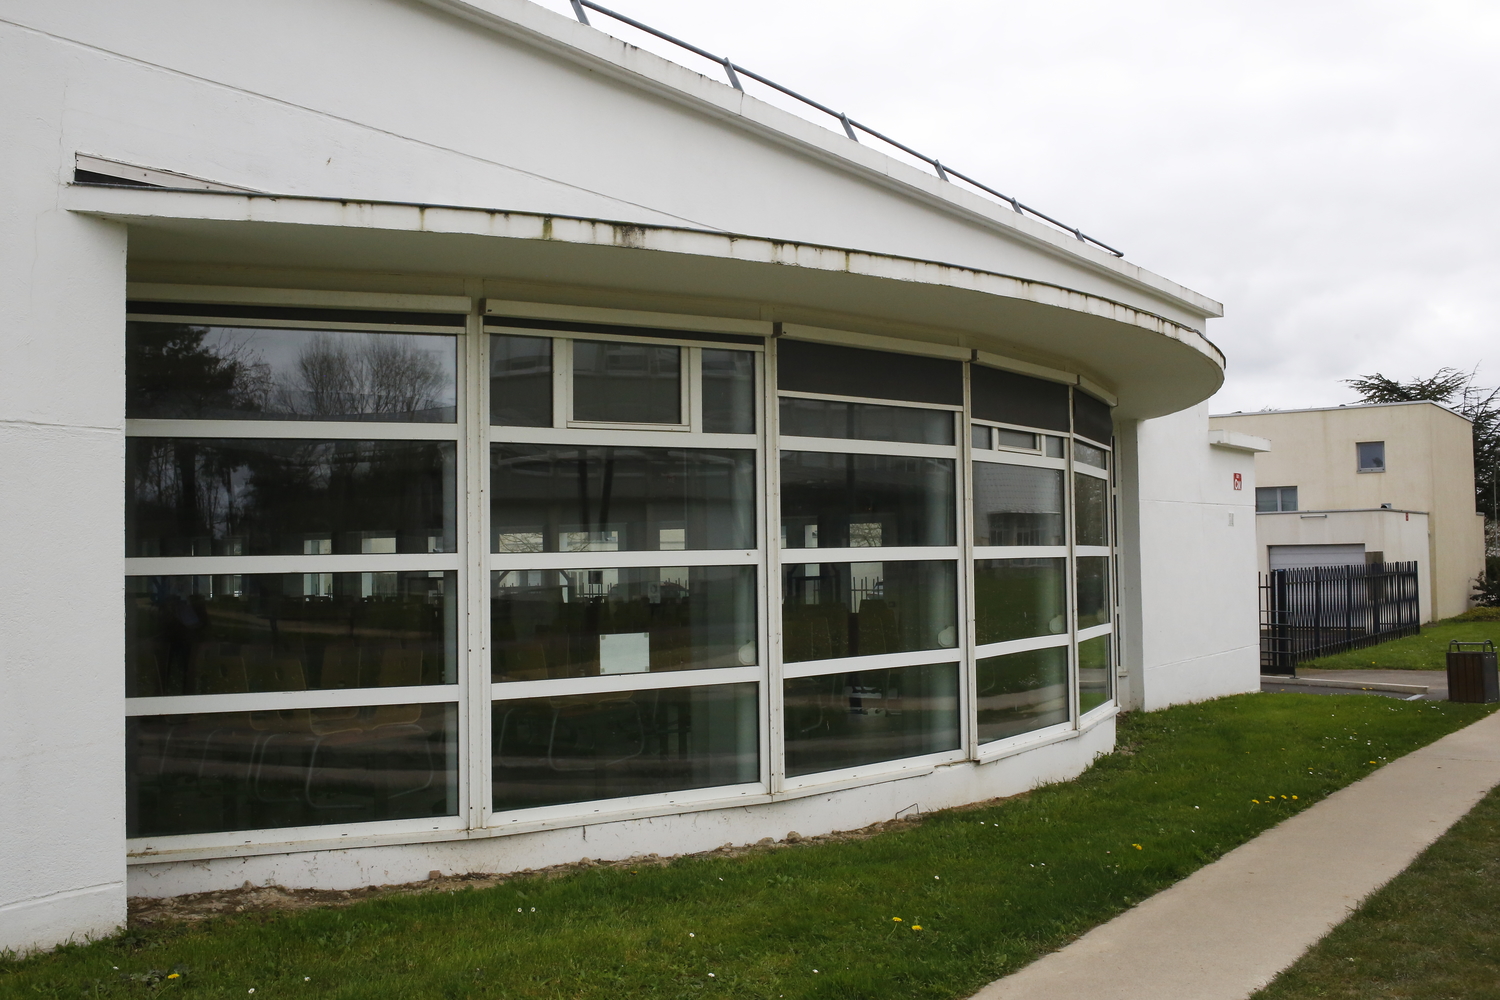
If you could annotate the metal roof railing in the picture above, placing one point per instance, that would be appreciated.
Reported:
(734, 71)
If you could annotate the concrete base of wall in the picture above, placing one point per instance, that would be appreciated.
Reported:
(687, 833)
(1233, 671)
(75, 915)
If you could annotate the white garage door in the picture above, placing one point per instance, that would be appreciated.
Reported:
(1298, 556)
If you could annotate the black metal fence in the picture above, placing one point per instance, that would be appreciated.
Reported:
(1312, 612)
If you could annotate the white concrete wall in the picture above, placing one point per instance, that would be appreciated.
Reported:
(1190, 617)
(62, 398)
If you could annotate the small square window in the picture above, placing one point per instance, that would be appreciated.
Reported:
(1371, 456)
(981, 436)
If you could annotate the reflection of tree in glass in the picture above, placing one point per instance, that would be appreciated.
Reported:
(172, 372)
(385, 374)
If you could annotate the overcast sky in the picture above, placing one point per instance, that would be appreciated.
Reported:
(1329, 171)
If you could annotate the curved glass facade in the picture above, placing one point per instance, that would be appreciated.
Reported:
(376, 568)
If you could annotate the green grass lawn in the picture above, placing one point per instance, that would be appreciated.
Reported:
(1415, 652)
(990, 888)
(1432, 933)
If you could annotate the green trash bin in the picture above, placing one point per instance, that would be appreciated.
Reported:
(1472, 675)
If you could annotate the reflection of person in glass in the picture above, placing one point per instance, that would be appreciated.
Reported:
(182, 621)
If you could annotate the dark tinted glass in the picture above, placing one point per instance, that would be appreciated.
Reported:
(581, 623)
(979, 437)
(1087, 454)
(520, 381)
(1091, 509)
(1094, 668)
(1093, 590)
(1022, 692)
(200, 371)
(862, 609)
(1019, 598)
(830, 500)
(1371, 456)
(1092, 418)
(627, 383)
(298, 767)
(1022, 440)
(197, 497)
(802, 366)
(1008, 398)
(828, 418)
(728, 392)
(289, 632)
(844, 720)
(1018, 505)
(553, 498)
(578, 748)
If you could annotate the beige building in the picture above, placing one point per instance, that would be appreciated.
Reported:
(1382, 482)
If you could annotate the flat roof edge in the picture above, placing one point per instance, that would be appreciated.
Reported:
(1340, 406)
(599, 50)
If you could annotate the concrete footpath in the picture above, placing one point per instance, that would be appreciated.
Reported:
(1226, 930)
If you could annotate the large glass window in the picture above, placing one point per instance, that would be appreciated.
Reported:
(583, 747)
(1022, 692)
(197, 497)
(520, 380)
(622, 537)
(1018, 505)
(1094, 668)
(1093, 591)
(551, 498)
(829, 500)
(862, 717)
(1019, 599)
(1091, 509)
(208, 371)
(828, 418)
(289, 632)
(592, 622)
(219, 771)
(728, 392)
(627, 383)
(862, 609)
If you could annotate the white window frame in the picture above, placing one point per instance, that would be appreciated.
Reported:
(474, 691)
(455, 693)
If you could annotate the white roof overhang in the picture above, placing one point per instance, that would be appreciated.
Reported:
(1154, 365)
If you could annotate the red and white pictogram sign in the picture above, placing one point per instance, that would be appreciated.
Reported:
(1239, 481)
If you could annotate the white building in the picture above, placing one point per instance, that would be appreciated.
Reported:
(1370, 483)
(419, 419)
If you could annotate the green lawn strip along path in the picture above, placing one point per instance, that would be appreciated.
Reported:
(1415, 652)
(991, 887)
(1432, 933)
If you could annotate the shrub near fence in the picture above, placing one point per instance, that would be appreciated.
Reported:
(1312, 612)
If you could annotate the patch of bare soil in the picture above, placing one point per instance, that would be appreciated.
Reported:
(147, 911)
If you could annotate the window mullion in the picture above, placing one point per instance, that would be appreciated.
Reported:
(475, 585)
(773, 746)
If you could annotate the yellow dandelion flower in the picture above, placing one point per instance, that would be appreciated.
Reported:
(916, 927)
(1294, 796)
(1256, 801)
(175, 975)
(897, 919)
(1138, 847)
